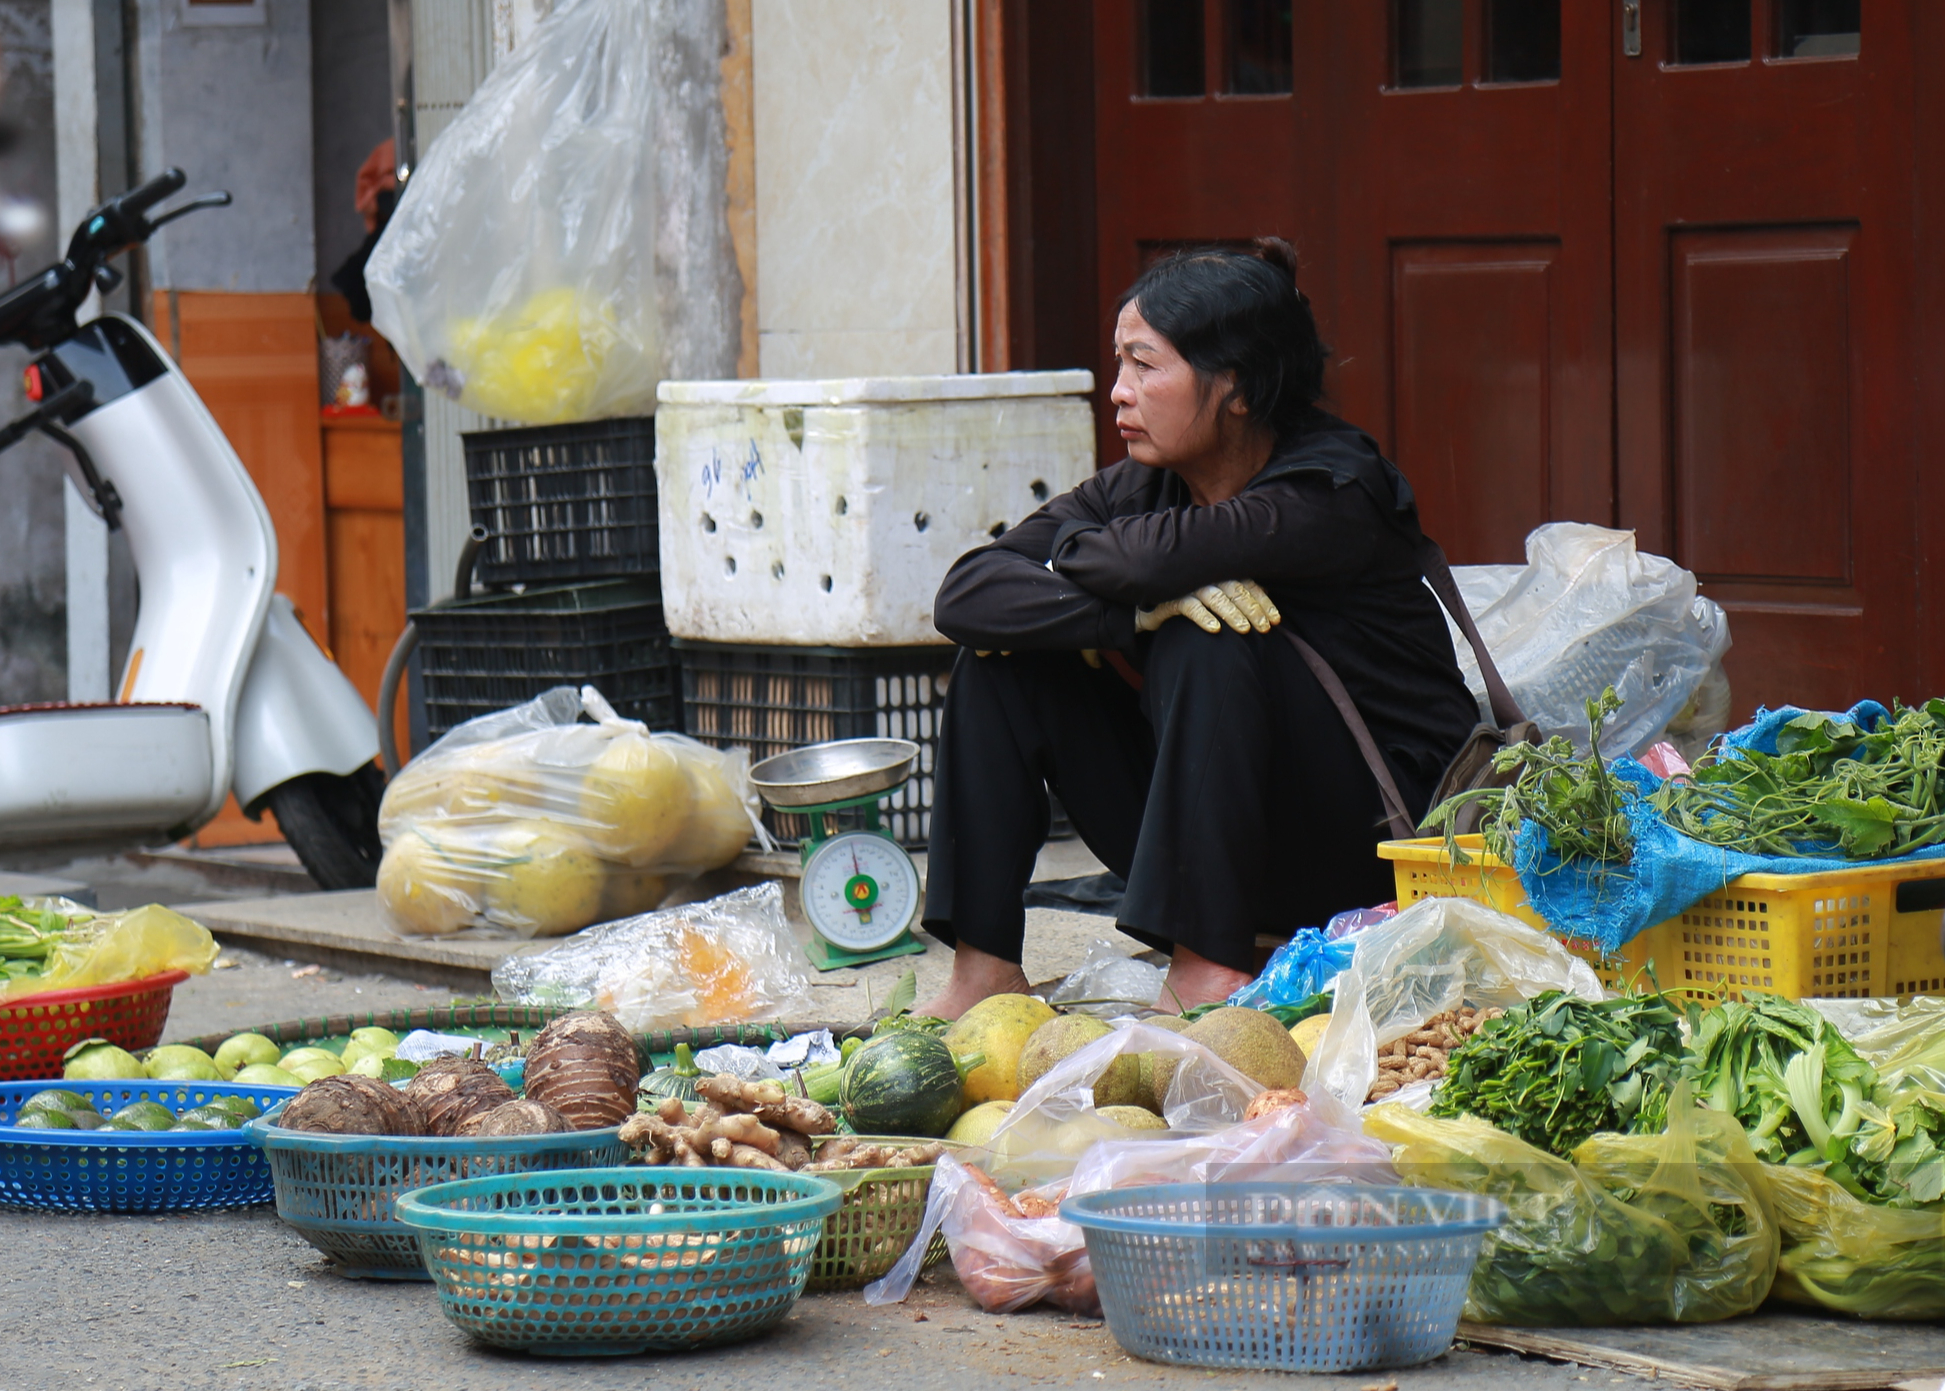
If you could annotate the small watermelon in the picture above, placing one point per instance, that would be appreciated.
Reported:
(904, 1083)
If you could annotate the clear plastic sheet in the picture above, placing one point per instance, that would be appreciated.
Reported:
(1588, 611)
(1436, 955)
(1055, 1122)
(537, 822)
(517, 274)
(1006, 1259)
(1015, 1260)
(731, 960)
(109, 948)
(1671, 1228)
(1107, 983)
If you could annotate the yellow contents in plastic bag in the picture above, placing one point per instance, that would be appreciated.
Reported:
(118, 947)
(720, 977)
(1856, 1257)
(540, 363)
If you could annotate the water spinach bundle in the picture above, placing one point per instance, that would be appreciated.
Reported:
(1831, 788)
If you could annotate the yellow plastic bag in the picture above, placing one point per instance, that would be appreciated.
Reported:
(116, 947)
(538, 822)
(1855, 1257)
(1674, 1228)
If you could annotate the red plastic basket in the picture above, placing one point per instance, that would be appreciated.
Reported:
(35, 1030)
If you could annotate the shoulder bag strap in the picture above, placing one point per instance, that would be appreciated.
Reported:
(1432, 563)
(1394, 804)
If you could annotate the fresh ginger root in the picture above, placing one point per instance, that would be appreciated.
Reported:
(768, 1102)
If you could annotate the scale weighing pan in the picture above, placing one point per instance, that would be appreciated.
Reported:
(835, 772)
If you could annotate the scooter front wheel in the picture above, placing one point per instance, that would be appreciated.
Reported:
(332, 824)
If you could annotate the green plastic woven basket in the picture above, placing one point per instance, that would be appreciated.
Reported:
(614, 1261)
(881, 1213)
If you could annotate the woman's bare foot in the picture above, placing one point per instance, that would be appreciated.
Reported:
(1195, 980)
(976, 975)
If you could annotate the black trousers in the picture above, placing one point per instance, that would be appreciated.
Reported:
(1227, 792)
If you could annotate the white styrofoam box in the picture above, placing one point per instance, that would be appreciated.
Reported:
(825, 513)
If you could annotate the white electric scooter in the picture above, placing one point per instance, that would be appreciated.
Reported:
(223, 690)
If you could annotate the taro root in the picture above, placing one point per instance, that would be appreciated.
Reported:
(352, 1105)
(585, 1066)
(515, 1118)
(449, 1089)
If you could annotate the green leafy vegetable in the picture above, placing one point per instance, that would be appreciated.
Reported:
(1830, 788)
(1559, 1068)
(1576, 800)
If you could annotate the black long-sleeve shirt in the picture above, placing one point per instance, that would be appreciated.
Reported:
(1328, 527)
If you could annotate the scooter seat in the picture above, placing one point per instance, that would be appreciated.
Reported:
(73, 773)
(40, 706)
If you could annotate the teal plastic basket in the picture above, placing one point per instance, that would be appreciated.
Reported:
(620, 1260)
(339, 1191)
(1283, 1277)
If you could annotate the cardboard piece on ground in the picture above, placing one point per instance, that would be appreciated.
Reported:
(346, 930)
(1764, 1352)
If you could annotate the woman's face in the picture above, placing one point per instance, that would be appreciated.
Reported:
(1166, 414)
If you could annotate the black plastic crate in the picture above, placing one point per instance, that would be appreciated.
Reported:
(481, 655)
(564, 502)
(773, 699)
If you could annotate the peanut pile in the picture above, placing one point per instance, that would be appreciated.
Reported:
(1422, 1053)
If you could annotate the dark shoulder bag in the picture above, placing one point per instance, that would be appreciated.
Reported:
(1473, 767)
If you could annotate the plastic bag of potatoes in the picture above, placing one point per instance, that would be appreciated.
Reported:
(537, 821)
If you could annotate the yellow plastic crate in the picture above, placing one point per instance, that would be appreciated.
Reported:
(1872, 930)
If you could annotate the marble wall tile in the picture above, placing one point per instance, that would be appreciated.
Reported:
(859, 353)
(854, 186)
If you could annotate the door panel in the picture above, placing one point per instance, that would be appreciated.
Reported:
(1763, 258)
(1469, 274)
(1473, 383)
(1761, 361)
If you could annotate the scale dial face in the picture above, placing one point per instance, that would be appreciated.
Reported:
(860, 891)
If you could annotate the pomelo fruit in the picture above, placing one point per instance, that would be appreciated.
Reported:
(999, 1027)
(637, 798)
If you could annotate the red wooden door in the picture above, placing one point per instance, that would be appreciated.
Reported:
(1764, 275)
(1469, 283)
(1649, 263)
(1196, 138)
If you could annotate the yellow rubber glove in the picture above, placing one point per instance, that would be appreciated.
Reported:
(1241, 604)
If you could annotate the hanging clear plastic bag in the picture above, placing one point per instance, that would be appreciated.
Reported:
(1670, 1228)
(731, 960)
(516, 275)
(538, 823)
(1588, 611)
(1107, 983)
(1435, 956)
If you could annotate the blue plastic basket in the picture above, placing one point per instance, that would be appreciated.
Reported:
(1283, 1277)
(338, 1190)
(615, 1261)
(130, 1170)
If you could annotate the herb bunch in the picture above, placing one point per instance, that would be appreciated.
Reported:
(1830, 786)
(1559, 1068)
(1576, 800)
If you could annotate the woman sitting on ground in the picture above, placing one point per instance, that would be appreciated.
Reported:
(1201, 760)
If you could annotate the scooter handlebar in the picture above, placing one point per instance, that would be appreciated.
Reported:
(145, 196)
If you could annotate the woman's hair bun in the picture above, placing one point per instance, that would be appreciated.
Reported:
(1278, 253)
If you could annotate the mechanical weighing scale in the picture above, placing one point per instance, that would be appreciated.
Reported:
(861, 890)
